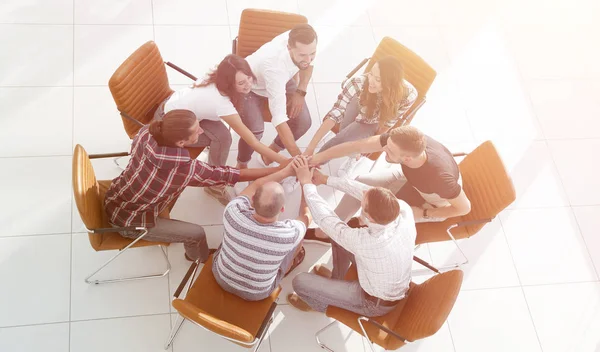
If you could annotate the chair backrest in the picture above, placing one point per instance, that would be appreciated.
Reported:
(258, 27)
(486, 183)
(416, 70)
(139, 85)
(427, 308)
(88, 196)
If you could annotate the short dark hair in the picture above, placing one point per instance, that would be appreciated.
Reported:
(269, 207)
(409, 139)
(382, 205)
(303, 33)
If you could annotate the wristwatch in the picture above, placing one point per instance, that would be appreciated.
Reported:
(425, 215)
(301, 92)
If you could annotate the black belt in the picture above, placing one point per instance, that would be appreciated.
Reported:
(380, 301)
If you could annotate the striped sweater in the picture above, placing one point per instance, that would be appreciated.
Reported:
(251, 253)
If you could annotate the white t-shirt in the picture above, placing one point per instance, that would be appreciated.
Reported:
(205, 102)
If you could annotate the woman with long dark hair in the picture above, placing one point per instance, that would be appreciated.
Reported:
(160, 169)
(215, 99)
(368, 105)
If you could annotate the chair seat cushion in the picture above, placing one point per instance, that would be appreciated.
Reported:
(222, 312)
(428, 232)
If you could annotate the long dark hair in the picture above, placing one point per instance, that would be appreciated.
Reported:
(392, 82)
(224, 77)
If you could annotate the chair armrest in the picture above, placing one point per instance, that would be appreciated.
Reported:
(425, 264)
(381, 327)
(353, 72)
(117, 229)
(408, 118)
(459, 154)
(234, 46)
(182, 71)
(108, 155)
(125, 115)
(470, 222)
(265, 323)
(186, 278)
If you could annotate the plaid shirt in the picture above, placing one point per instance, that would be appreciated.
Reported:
(354, 87)
(154, 177)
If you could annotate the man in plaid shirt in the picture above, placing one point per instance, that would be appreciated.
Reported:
(159, 170)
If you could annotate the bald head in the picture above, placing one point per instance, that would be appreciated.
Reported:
(269, 199)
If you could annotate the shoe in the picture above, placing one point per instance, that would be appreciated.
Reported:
(290, 184)
(322, 271)
(298, 303)
(311, 237)
(210, 252)
(347, 168)
(223, 194)
(298, 259)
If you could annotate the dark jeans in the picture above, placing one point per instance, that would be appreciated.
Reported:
(252, 117)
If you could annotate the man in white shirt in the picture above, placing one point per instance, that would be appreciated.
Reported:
(382, 249)
(283, 69)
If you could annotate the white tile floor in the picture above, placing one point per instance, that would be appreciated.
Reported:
(524, 73)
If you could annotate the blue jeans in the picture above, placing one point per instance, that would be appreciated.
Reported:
(252, 117)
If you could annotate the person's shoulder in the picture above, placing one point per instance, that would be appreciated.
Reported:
(238, 203)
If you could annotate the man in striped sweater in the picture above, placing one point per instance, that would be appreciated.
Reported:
(258, 249)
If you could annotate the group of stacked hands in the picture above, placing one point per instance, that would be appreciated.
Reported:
(259, 249)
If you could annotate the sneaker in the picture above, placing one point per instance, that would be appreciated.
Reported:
(311, 237)
(347, 169)
(322, 271)
(223, 194)
(298, 303)
(290, 184)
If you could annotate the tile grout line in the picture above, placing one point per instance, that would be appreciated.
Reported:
(537, 335)
(71, 190)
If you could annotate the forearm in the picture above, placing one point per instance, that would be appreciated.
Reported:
(266, 151)
(304, 213)
(437, 214)
(325, 127)
(304, 78)
(254, 174)
(352, 188)
(287, 138)
(340, 150)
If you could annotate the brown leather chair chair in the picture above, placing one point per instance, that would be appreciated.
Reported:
(416, 71)
(207, 305)
(419, 315)
(89, 197)
(488, 186)
(258, 27)
(139, 85)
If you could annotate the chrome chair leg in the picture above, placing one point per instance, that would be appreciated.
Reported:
(360, 322)
(174, 331)
(96, 282)
(259, 342)
(321, 344)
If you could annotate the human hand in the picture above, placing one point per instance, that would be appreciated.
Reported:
(303, 172)
(295, 105)
(287, 167)
(319, 178)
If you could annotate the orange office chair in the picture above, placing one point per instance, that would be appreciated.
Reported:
(207, 305)
(258, 27)
(139, 85)
(490, 189)
(420, 314)
(89, 197)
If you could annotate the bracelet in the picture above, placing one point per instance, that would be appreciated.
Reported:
(301, 92)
